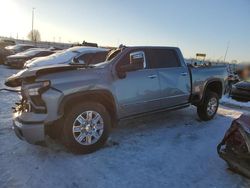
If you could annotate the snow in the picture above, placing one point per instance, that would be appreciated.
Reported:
(173, 149)
(63, 56)
(30, 52)
(81, 49)
(17, 46)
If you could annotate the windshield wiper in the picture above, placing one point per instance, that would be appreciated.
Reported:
(82, 65)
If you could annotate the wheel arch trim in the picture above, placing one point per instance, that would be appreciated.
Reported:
(94, 93)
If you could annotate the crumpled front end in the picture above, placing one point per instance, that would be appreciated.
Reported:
(27, 124)
(235, 146)
(35, 111)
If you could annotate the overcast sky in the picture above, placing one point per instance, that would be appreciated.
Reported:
(195, 25)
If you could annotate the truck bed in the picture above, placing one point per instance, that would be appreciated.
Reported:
(201, 76)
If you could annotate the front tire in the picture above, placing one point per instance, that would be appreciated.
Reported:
(207, 110)
(86, 127)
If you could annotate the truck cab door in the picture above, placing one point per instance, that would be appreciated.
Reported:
(173, 76)
(139, 90)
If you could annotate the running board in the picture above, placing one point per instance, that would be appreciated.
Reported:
(155, 112)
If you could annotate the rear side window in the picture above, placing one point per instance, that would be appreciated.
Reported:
(163, 58)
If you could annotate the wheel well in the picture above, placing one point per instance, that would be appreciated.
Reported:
(215, 87)
(102, 97)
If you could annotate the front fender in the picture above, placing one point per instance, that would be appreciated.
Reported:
(102, 96)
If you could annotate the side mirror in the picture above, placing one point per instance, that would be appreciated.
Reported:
(137, 62)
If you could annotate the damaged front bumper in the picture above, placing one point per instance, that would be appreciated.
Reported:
(29, 126)
(32, 117)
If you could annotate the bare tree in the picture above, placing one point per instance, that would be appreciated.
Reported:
(34, 36)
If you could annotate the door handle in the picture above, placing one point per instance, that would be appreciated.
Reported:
(184, 74)
(152, 76)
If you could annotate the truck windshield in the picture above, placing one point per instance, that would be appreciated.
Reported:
(111, 55)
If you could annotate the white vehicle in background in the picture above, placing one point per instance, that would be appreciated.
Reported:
(19, 48)
(78, 54)
(18, 60)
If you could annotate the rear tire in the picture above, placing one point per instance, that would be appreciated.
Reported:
(82, 134)
(207, 110)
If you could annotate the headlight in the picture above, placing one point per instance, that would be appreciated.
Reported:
(38, 88)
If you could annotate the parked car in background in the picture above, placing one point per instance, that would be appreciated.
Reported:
(231, 80)
(6, 42)
(241, 91)
(78, 54)
(19, 48)
(87, 44)
(3, 54)
(82, 102)
(52, 48)
(18, 60)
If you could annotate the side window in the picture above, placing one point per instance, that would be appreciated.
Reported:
(28, 47)
(42, 54)
(99, 57)
(163, 58)
(46, 53)
(24, 48)
(86, 58)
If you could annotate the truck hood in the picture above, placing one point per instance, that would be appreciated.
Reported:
(16, 79)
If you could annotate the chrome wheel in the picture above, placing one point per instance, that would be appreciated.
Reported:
(88, 127)
(212, 106)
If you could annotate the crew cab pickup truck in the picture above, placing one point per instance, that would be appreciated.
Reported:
(81, 103)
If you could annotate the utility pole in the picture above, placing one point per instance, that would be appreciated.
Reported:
(228, 44)
(32, 24)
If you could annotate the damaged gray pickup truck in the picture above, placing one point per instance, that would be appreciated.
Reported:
(81, 103)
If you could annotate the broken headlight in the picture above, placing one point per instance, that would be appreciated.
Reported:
(38, 88)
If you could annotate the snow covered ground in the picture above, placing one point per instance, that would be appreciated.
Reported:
(173, 149)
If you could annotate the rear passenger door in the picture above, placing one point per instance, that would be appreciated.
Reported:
(173, 76)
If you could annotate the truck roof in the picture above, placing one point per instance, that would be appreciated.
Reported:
(150, 47)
